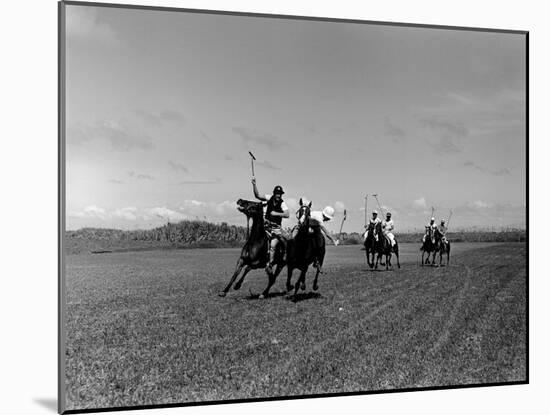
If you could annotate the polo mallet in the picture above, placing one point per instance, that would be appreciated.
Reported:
(342, 224)
(252, 158)
(450, 215)
(378, 202)
(432, 212)
(366, 201)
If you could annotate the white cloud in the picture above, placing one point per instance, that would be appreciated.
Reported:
(420, 203)
(480, 204)
(166, 214)
(127, 213)
(197, 208)
(339, 206)
(292, 203)
(91, 211)
(225, 207)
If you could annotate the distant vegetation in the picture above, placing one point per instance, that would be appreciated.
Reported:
(201, 234)
(507, 235)
(185, 234)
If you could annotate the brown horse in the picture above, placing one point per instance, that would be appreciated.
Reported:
(370, 245)
(303, 250)
(442, 246)
(255, 252)
(383, 248)
(428, 246)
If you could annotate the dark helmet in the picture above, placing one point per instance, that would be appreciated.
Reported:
(278, 190)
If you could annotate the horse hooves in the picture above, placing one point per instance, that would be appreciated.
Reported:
(289, 287)
(303, 287)
(222, 293)
(315, 287)
(237, 287)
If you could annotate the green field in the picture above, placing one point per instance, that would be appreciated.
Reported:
(148, 327)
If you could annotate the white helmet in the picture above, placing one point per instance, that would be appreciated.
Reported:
(328, 212)
(374, 212)
(432, 219)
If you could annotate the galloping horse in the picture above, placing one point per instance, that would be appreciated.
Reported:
(304, 249)
(443, 246)
(370, 245)
(383, 247)
(255, 253)
(428, 246)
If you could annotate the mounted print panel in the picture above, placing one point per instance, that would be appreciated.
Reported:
(259, 207)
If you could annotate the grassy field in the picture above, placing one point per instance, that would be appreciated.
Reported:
(148, 328)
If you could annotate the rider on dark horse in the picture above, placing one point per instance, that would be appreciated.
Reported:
(276, 210)
(430, 228)
(372, 221)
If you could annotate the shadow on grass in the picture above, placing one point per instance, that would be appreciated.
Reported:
(304, 296)
(253, 296)
(48, 403)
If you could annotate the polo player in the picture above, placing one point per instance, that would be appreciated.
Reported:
(316, 220)
(443, 231)
(374, 220)
(433, 226)
(275, 210)
(387, 229)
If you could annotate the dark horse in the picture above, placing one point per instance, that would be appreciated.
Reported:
(383, 247)
(307, 247)
(442, 246)
(255, 253)
(370, 245)
(429, 245)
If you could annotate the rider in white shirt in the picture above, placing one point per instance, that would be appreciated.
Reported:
(374, 221)
(387, 228)
(433, 226)
(443, 230)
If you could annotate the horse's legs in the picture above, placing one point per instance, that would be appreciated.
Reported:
(315, 285)
(238, 268)
(272, 276)
(377, 259)
(289, 286)
(247, 269)
(433, 257)
(301, 280)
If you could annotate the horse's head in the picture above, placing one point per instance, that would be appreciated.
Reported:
(429, 231)
(249, 208)
(304, 211)
(378, 227)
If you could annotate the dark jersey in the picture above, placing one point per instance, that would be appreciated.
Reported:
(274, 206)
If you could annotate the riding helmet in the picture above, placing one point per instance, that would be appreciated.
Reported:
(278, 190)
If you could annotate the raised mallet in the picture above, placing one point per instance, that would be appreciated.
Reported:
(252, 158)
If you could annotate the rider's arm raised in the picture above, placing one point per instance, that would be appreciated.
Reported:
(256, 193)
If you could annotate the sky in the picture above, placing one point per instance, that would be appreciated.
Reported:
(163, 107)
